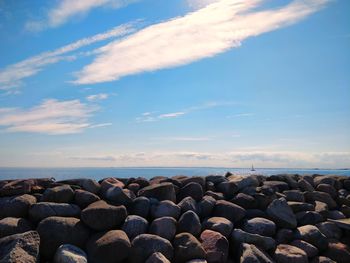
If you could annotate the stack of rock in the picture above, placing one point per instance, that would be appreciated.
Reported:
(214, 219)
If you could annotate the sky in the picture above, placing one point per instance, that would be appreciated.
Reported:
(210, 83)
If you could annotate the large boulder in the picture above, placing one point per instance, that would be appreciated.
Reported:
(11, 225)
(243, 181)
(143, 246)
(205, 206)
(58, 194)
(87, 184)
(164, 227)
(157, 257)
(227, 188)
(249, 253)
(245, 201)
(102, 216)
(164, 191)
(20, 248)
(16, 206)
(219, 224)
(321, 197)
(189, 222)
(310, 250)
(188, 203)
(134, 226)
(140, 206)
(108, 247)
(118, 196)
(84, 198)
(260, 226)
(312, 235)
(192, 189)
(27, 186)
(70, 254)
(56, 231)
(229, 210)
(42, 210)
(239, 236)
(338, 251)
(286, 253)
(165, 208)
(282, 214)
(187, 247)
(215, 245)
(330, 230)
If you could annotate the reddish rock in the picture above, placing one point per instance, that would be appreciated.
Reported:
(215, 245)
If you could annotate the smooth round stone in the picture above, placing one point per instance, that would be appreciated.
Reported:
(134, 226)
(42, 210)
(187, 247)
(70, 254)
(58, 194)
(229, 210)
(260, 226)
(287, 253)
(189, 222)
(16, 206)
(164, 227)
(84, 198)
(309, 249)
(219, 224)
(166, 208)
(157, 258)
(11, 225)
(215, 245)
(193, 190)
(140, 206)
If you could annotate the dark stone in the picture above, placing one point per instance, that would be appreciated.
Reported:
(260, 226)
(239, 236)
(286, 253)
(108, 247)
(322, 259)
(310, 250)
(164, 191)
(322, 197)
(282, 214)
(187, 247)
(135, 225)
(87, 184)
(10, 226)
(326, 188)
(300, 206)
(140, 206)
(188, 204)
(55, 231)
(16, 206)
(102, 216)
(229, 210)
(58, 194)
(164, 227)
(330, 230)
(27, 186)
(305, 186)
(312, 235)
(284, 235)
(70, 254)
(206, 206)
(189, 222)
(245, 201)
(219, 224)
(277, 186)
(39, 211)
(338, 252)
(215, 195)
(308, 218)
(215, 245)
(249, 253)
(84, 198)
(294, 195)
(166, 208)
(216, 179)
(20, 248)
(227, 188)
(193, 190)
(157, 258)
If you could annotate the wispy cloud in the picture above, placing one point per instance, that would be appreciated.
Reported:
(97, 97)
(239, 115)
(50, 117)
(12, 75)
(67, 9)
(197, 4)
(204, 33)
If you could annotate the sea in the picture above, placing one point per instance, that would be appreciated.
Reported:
(149, 172)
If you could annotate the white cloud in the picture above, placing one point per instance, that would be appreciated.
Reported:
(171, 115)
(204, 33)
(12, 75)
(67, 9)
(197, 4)
(50, 117)
(238, 115)
(97, 97)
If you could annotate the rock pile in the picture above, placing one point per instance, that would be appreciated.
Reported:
(215, 219)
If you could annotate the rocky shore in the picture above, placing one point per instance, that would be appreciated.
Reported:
(214, 219)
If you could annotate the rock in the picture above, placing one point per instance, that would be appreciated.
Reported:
(251, 254)
(310, 250)
(113, 216)
(252, 213)
(143, 246)
(10, 226)
(108, 247)
(260, 226)
(164, 191)
(140, 206)
(263, 201)
(84, 198)
(219, 224)
(325, 179)
(308, 218)
(245, 201)
(70, 254)
(187, 247)
(193, 190)
(243, 181)
(239, 236)
(193, 179)
(110, 183)
(134, 226)
(326, 188)
(277, 186)
(338, 252)
(282, 214)
(87, 184)
(16, 206)
(342, 223)
(321, 208)
(286, 253)
(305, 186)
(312, 235)
(215, 195)
(157, 258)
(20, 248)
(134, 187)
(335, 215)
(118, 196)
(229, 210)
(189, 222)
(294, 195)
(227, 188)
(322, 197)
(284, 236)
(206, 206)
(330, 230)
(58, 194)
(187, 204)
(164, 227)
(166, 208)
(142, 182)
(322, 260)
(42, 210)
(27, 186)
(56, 231)
(216, 179)
(300, 207)
(215, 245)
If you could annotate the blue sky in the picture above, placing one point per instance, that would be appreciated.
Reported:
(175, 83)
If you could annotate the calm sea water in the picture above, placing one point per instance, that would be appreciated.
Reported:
(99, 173)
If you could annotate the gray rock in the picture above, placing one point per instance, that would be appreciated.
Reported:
(219, 224)
(164, 227)
(294, 195)
(239, 236)
(245, 201)
(84, 198)
(282, 214)
(206, 206)
(305, 186)
(322, 197)
(227, 188)
(58, 194)
(189, 222)
(229, 210)
(16, 206)
(308, 218)
(140, 206)
(330, 230)
(112, 216)
(249, 253)
(20, 248)
(143, 246)
(260, 226)
(11, 225)
(243, 181)
(70, 254)
(300, 206)
(312, 235)
(188, 204)
(56, 231)
(326, 188)
(277, 186)
(286, 253)
(87, 184)
(118, 196)
(192, 189)
(157, 258)
(215, 245)
(310, 250)
(284, 236)
(166, 208)
(42, 210)
(134, 226)
(216, 179)
(108, 247)
(164, 191)
(338, 251)
(187, 247)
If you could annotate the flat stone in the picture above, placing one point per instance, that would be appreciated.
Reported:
(11, 225)
(239, 236)
(42, 210)
(164, 191)
(58, 194)
(260, 226)
(229, 211)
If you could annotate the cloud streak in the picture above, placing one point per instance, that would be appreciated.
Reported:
(51, 117)
(12, 75)
(97, 97)
(204, 33)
